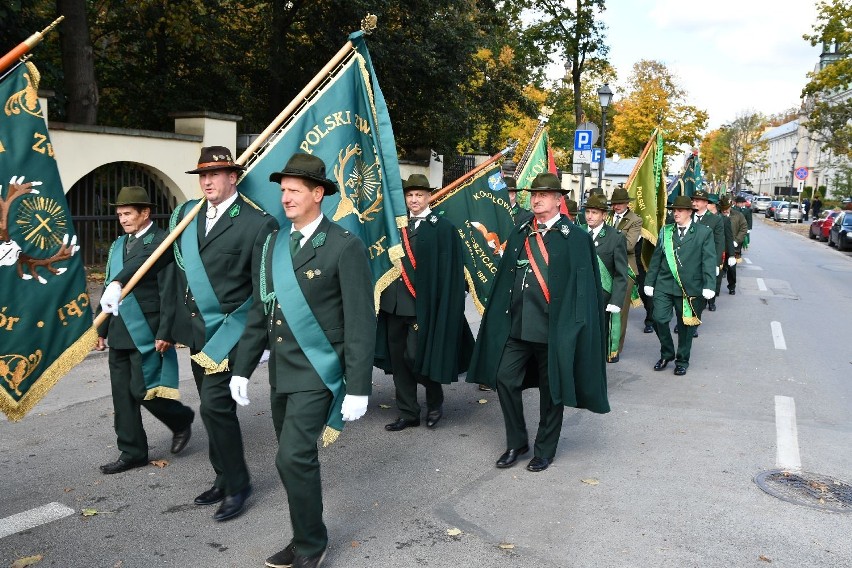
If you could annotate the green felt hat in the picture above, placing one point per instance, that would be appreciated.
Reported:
(132, 195)
(307, 167)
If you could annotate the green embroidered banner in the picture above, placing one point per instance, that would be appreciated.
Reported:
(45, 319)
(479, 208)
(537, 163)
(346, 123)
(647, 189)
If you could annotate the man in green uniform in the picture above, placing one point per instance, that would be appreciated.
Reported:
(681, 276)
(611, 249)
(728, 254)
(423, 336)
(739, 232)
(714, 222)
(142, 362)
(747, 213)
(313, 309)
(543, 327)
(214, 257)
(630, 225)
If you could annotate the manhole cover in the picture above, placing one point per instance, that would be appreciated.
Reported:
(809, 489)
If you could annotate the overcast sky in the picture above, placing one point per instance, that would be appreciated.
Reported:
(730, 56)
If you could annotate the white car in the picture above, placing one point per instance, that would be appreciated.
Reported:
(759, 203)
(788, 212)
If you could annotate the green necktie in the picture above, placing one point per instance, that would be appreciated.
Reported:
(295, 238)
(131, 238)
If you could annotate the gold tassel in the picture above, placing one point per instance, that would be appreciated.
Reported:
(72, 356)
(636, 303)
(329, 436)
(692, 320)
(162, 392)
(209, 365)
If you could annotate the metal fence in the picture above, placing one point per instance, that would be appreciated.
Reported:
(94, 218)
(456, 166)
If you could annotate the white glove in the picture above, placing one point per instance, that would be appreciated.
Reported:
(749, 231)
(717, 271)
(239, 390)
(353, 407)
(613, 309)
(649, 290)
(111, 298)
(708, 294)
(735, 244)
(732, 261)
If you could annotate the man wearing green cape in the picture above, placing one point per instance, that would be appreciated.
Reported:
(313, 309)
(543, 327)
(681, 276)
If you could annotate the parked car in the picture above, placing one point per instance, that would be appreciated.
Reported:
(759, 203)
(788, 212)
(770, 209)
(821, 227)
(841, 231)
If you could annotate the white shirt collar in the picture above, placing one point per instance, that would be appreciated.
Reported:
(596, 231)
(223, 206)
(141, 232)
(308, 230)
(423, 214)
(685, 227)
(550, 222)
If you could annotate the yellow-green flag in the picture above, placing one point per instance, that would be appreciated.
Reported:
(647, 189)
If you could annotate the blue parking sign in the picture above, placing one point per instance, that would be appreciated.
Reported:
(596, 155)
(582, 140)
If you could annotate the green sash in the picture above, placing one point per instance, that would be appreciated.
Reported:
(689, 317)
(159, 371)
(635, 299)
(614, 319)
(222, 331)
(310, 337)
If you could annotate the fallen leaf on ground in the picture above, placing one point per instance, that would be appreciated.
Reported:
(764, 558)
(160, 463)
(506, 546)
(591, 481)
(69, 489)
(454, 532)
(355, 544)
(385, 406)
(89, 512)
(27, 561)
(482, 401)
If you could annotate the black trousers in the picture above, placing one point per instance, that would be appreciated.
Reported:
(128, 398)
(731, 275)
(402, 344)
(663, 305)
(219, 414)
(510, 378)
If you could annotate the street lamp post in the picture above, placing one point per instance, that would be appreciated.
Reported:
(794, 153)
(605, 97)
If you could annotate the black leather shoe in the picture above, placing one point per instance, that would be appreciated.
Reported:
(680, 370)
(120, 465)
(539, 464)
(402, 424)
(695, 331)
(661, 364)
(181, 439)
(613, 359)
(732, 292)
(676, 328)
(433, 416)
(283, 559)
(649, 328)
(509, 457)
(309, 562)
(233, 505)
(210, 497)
(712, 307)
(485, 388)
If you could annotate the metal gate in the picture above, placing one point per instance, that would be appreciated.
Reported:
(456, 167)
(94, 218)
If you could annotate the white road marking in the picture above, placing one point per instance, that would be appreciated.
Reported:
(748, 261)
(33, 518)
(761, 285)
(787, 434)
(778, 335)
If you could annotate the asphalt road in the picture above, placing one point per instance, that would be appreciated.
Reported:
(665, 480)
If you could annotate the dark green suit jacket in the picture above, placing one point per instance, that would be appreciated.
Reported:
(746, 212)
(335, 278)
(611, 247)
(153, 292)
(695, 257)
(715, 224)
(576, 332)
(227, 256)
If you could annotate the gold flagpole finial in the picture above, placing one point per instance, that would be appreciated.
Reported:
(368, 24)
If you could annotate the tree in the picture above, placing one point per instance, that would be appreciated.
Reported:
(78, 63)
(654, 100)
(747, 150)
(828, 100)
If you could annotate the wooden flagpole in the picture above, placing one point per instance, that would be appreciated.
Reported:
(26, 45)
(452, 185)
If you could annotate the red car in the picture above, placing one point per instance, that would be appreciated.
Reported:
(820, 227)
